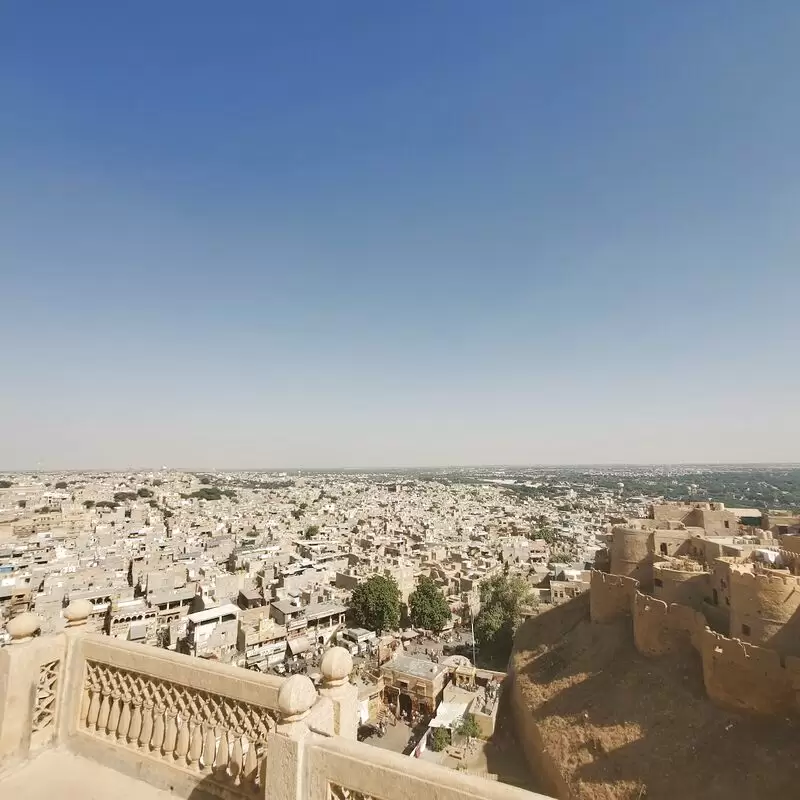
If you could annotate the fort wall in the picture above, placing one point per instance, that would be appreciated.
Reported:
(743, 676)
(736, 674)
(610, 596)
(765, 608)
(660, 628)
(674, 585)
(631, 554)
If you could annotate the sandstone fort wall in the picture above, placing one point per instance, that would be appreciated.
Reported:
(736, 674)
(610, 596)
(660, 628)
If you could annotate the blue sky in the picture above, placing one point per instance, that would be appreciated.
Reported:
(360, 234)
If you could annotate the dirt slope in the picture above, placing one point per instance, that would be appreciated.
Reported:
(625, 727)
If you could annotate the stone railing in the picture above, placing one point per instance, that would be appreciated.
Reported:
(203, 729)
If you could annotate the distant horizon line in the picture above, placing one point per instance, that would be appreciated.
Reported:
(413, 468)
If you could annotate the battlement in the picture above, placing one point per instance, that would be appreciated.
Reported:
(610, 596)
(736, 673)
(660, 627)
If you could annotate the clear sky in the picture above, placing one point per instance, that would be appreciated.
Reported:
(368, 233)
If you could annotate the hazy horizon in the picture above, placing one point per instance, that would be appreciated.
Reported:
(413, 235)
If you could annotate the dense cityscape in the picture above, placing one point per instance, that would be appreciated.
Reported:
(423, 576)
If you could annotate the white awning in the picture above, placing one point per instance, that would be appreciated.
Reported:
(299, 645)
(447, 714)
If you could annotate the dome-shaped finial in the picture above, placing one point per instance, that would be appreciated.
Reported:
(77, 612)
(336, 666)
(23, 627)
(296, 697)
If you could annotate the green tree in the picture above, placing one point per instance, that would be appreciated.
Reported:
(88, 503)
(312, 531)
(503, 598)
(61, 485)
(375, 604)
(439, 739)
(121, 497)
(427, 606)
(6, 484)
(144, 492)
(468, 727)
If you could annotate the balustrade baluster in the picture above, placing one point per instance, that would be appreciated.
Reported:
(235, 766)
(195, 743)
(159, 728)
(250, 772)
(113, 717)
(146, 733)
(209, 746)
(182, 745)
(105, 709)
(170, 733)
(94, 707)
(124, 717)
(223, 751)
(86, 700)
(135, 728)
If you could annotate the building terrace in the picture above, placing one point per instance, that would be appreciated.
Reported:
(92, 715)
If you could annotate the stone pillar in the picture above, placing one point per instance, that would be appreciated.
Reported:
(283, 773)
(19, 675)
(337, 664)
(76, 614)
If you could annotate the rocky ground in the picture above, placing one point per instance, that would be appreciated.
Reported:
(624, 727)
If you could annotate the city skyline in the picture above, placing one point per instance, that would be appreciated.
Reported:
(413, 236)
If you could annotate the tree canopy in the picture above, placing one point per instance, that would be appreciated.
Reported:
(375, 604)
(468, 726)
(427, 606)
(61, 485)
(503, 598)
(6, 484)
(144, 492)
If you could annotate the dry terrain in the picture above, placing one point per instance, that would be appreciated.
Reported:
(624, 727)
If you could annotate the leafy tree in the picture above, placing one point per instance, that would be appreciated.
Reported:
(121, 497)
(440, 738)
(468, 727)
(144, 492)
(312, 531)
(375, 604)
(427, 606)
(88, 503)
(106, 504)
(205, 481)
(6, 484)
(61, 485)
(503, 598)
(157, 482)
(22, 503)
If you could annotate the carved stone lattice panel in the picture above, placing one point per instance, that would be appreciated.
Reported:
(338, 792)
(44, 709)
(205, 731)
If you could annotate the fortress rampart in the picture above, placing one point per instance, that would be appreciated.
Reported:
(660, 628)
(611, 596)
(736, 674)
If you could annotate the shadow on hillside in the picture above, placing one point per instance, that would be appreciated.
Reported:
(627, 727)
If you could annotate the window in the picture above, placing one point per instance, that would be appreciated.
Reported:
(727, 524)
(745, 630)
(658, 582)
(716, 597)
(664, 549)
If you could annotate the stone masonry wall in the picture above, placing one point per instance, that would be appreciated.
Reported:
(736, 674)
(748, 677)
(611, 596)
(659, 628)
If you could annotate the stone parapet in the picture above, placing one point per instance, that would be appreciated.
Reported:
(611, 596)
